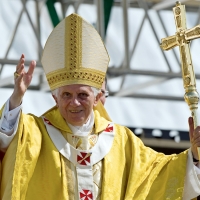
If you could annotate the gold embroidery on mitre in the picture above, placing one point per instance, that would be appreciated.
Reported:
(73, 42)
(83, 76)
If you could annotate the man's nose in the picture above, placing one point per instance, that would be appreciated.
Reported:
(74, 101)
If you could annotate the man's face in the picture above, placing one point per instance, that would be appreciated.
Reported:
(75, 103)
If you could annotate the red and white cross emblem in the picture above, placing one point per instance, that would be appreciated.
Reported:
(83, 158)
(47, 121)
(109, 128)
(86, 195)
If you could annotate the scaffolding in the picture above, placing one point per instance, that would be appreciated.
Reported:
(33, 12)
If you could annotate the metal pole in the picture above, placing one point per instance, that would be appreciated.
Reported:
(125, 4)
(38, 26)
(100, 18)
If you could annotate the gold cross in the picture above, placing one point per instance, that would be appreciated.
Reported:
(182, 39)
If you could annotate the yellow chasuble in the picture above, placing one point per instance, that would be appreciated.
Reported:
(33, 169)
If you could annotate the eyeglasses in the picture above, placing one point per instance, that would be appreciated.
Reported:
(105, 93)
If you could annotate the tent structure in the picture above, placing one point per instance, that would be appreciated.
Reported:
(145, 83)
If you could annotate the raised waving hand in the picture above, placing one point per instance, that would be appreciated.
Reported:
(22, 82)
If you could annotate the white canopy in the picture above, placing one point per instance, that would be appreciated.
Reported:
(132, 112)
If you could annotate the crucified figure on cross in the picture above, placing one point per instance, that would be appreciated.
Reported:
(182, 39)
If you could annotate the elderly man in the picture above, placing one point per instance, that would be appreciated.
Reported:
(73, 151)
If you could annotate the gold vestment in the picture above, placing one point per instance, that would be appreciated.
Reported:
(33, 169)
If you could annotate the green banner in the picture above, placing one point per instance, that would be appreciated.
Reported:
(52, 11)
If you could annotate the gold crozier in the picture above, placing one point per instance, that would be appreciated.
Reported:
(182, 39)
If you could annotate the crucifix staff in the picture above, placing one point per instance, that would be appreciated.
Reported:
(182, 39)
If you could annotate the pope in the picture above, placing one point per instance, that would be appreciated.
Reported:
(74, 151)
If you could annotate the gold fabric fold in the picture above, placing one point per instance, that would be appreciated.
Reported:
(33, 168)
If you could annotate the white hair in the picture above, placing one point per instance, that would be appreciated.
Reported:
(95, 91)
(55, 92)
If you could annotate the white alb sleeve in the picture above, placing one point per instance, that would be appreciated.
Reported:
(8, 125)
(192, 181)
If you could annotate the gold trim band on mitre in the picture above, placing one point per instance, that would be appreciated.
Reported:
(85, 76)
(73, 42)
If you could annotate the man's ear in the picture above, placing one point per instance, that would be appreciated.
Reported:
(97, 98)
